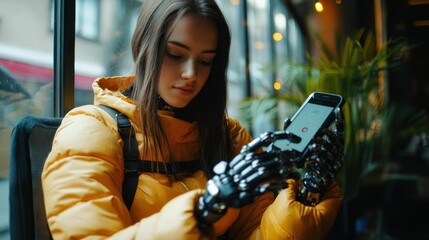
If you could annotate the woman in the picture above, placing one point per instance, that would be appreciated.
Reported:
(177, 109)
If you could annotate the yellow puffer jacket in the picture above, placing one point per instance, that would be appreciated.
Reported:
(82, 179)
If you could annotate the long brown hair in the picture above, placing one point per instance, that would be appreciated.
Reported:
(154, 25)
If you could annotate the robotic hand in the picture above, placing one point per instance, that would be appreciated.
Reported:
(254, 172)
(323, 161)
(248, 175)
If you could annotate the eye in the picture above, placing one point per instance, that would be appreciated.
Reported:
(174, 55)
(207, 62)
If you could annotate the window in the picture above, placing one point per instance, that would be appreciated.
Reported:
(274, 38)
(87, 19)
(26, 75)
(87, 22)
(25, 63)
(237, 64)
(111, 54)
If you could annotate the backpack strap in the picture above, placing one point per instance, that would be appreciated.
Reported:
(133, 166)
(164, 168)
(130, 151)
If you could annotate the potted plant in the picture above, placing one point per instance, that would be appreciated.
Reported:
(374, 125)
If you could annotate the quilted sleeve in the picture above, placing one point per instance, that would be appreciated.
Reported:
(82, 178)
(287, 218)
(82, 185)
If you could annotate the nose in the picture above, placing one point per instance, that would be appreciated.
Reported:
(189, 70)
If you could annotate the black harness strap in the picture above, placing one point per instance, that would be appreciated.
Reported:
(164, 168)
(130, 151)
(133, 166)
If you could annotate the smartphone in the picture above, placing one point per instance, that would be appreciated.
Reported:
(315, 113)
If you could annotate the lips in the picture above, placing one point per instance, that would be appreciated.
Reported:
(184, 90)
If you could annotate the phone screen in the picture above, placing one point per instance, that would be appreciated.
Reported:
(305, 125)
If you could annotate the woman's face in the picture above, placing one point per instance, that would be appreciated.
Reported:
(187, 61)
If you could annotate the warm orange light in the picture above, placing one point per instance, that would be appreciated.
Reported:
(277, 36)
(235, 2)
(318, 6)
(259, 45)
(277, 85)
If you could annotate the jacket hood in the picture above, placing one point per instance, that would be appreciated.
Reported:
(108, 91)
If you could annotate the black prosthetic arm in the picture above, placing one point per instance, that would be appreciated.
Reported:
(323, 161)
(249, 174)
(262, 167)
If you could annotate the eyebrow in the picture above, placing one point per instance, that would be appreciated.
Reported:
(179, 44)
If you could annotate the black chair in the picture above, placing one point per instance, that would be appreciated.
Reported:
(31, 142)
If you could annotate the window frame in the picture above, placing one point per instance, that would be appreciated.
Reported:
(64, 56)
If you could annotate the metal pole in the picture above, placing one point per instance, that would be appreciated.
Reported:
(64, 45)
(246, 48)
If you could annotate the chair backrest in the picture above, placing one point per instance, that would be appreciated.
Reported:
(31, 142)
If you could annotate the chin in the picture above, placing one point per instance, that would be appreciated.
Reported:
(178, 104)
